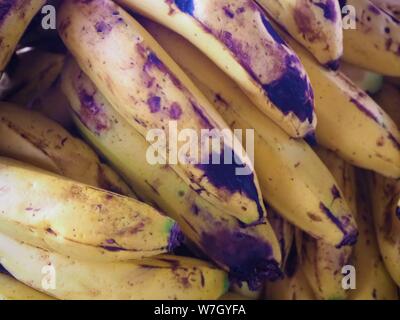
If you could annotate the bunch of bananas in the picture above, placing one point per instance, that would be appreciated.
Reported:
(321, 193)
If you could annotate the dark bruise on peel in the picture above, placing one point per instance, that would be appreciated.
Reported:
(328, 8)
(5, 7)
(248, 258)
(398, 212)
(223, 176)
(349, 238)
(176, 238)
(292, 92)
(90, 112)
(335, 193)
(286, 86)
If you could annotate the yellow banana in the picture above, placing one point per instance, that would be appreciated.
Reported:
(389, 99)
(373, 41)
(30, 137)
(74, 219)
(148, 89)
(350, 122)
(373, 280)
(292, 177)
(385, 195)
(250, 253)
(323, 263)
(12, 289)
(158, 278)
(317, 25)
(239, 38)
(15, 16)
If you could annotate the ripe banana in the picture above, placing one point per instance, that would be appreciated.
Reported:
(249, 253)
(374, 42)
(392, 7)
(158, 278)
(317, 25)
(52, 212)
(385, 195)
(323, 263)
(373, 280)
(350, 122)
(389, 99)
(148, 89)
(12, 289)
(293, 179)
(15, 15)
(239, 38)
(32, 138)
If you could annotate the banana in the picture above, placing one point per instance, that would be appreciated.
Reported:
(15, 16)
(240, 39)
(373, 280)
(12, 289)
(243, 290)
(158, 278)
(25, 87)
(385, 195)
(292, 178)
(374, 43)
(30, 137)
(147, 88)
(249, 253)
(350, 122)
(317, 25)
(74, 219)
(389, 99)
(294, 286)
(392, 7)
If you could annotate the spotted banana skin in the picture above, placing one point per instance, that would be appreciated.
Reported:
(390, 6)
(75, 219)
(220, 236)
(163, 277)
(375, 42)
(146, 87)
(229, 33)
(317, 25)
(385, 196)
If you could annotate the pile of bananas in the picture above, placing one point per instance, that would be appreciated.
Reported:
(85, 215)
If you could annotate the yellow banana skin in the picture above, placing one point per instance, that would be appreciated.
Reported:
(77, 220)
(159, 278)
(146, 87)
(373, 280)
(350, 122)
(385, 195)
(317, 25)
(229, 33)
(30, 137)
(293, 179)
(374, 43)
(220, 236)
(12, 289)
(15, 16)
(389, 99)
